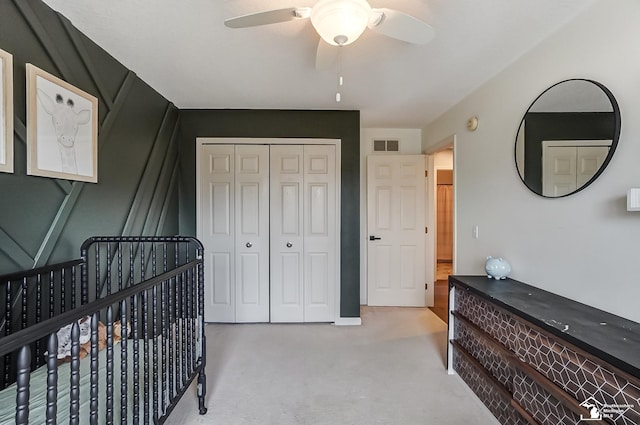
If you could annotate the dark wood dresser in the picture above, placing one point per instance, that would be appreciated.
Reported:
(534, 357)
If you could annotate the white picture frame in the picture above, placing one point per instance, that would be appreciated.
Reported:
(6, 112)
(62, 128)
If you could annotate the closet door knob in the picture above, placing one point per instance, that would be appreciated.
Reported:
(289, 244)
(249, 245)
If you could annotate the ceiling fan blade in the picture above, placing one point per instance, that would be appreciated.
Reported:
(326, 55)
(268, 17)
(401, 26)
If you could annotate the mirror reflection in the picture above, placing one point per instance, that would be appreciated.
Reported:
(567, 137)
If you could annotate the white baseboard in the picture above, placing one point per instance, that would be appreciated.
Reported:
(348, 321)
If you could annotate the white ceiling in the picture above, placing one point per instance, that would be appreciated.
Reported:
(184, 51)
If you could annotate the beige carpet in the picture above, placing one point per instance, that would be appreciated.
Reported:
(390, 370)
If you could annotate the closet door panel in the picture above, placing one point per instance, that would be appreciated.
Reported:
(252, 233)
(217, 199)
(589, 161)
(558, 170)
(319, 233)
(287, 249)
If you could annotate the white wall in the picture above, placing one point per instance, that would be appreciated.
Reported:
(410, 143)
(585, 246)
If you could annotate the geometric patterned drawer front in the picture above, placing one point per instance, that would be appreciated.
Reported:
(544, 408)
(585, 380)
(495, 401)
(579, 376)
(496, 323)
(490, 358)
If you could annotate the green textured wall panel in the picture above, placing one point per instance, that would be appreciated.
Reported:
(45, 220)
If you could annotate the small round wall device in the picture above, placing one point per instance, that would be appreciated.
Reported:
(472, 124)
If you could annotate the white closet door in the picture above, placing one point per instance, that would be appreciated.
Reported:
(234, 220)
(287, 179)
(252, 233)
(558, 170)
(319, 233)
(589, 161)
(217, 223)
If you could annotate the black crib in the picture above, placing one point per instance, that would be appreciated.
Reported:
(137, 302)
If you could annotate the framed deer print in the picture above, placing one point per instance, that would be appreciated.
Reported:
(62, 129)
(6, 112)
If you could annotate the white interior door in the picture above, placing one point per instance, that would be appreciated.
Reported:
(252, 233)
(287, 237)
(319, 233)
(396, 225)
(234, 228)
(216, 231)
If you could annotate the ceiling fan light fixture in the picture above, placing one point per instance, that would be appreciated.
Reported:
(340, 22)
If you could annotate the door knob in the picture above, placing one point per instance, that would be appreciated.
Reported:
(249, 245)
(289, 244)
(374, 238)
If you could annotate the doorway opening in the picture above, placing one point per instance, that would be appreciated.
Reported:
(443, 211)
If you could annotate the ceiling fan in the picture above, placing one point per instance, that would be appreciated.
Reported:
(341, 22)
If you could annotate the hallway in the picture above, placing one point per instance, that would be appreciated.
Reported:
(441, 290)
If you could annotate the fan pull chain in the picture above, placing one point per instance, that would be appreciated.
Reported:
(340, 80)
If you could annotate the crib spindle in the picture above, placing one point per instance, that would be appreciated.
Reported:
(98, 288)
(108, 267)
(191, 314)
(74, 390)
(119, 266)
(22, 383)
(63, 291)
(52, 293)
(38, 315)
(24, 292)
(123, 362)
(109, 378)
(136, 359)
(142, 262)
(164, 331)
(52, 379)
(172, 334)
(73, 289)
(84, 280)
(93, 379)
(132, 267)
(154, 311)
(183, 339)
(145, 353)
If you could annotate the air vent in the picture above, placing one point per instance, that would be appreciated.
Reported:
(380, 145)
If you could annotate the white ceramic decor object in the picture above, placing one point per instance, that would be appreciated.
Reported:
(497, 268)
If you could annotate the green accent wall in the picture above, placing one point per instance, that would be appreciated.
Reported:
(344, 125)
(44, 220)
(146, 154)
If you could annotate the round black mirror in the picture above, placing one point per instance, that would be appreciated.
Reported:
(567, 137)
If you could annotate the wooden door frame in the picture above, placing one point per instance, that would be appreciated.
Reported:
(201, 141)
